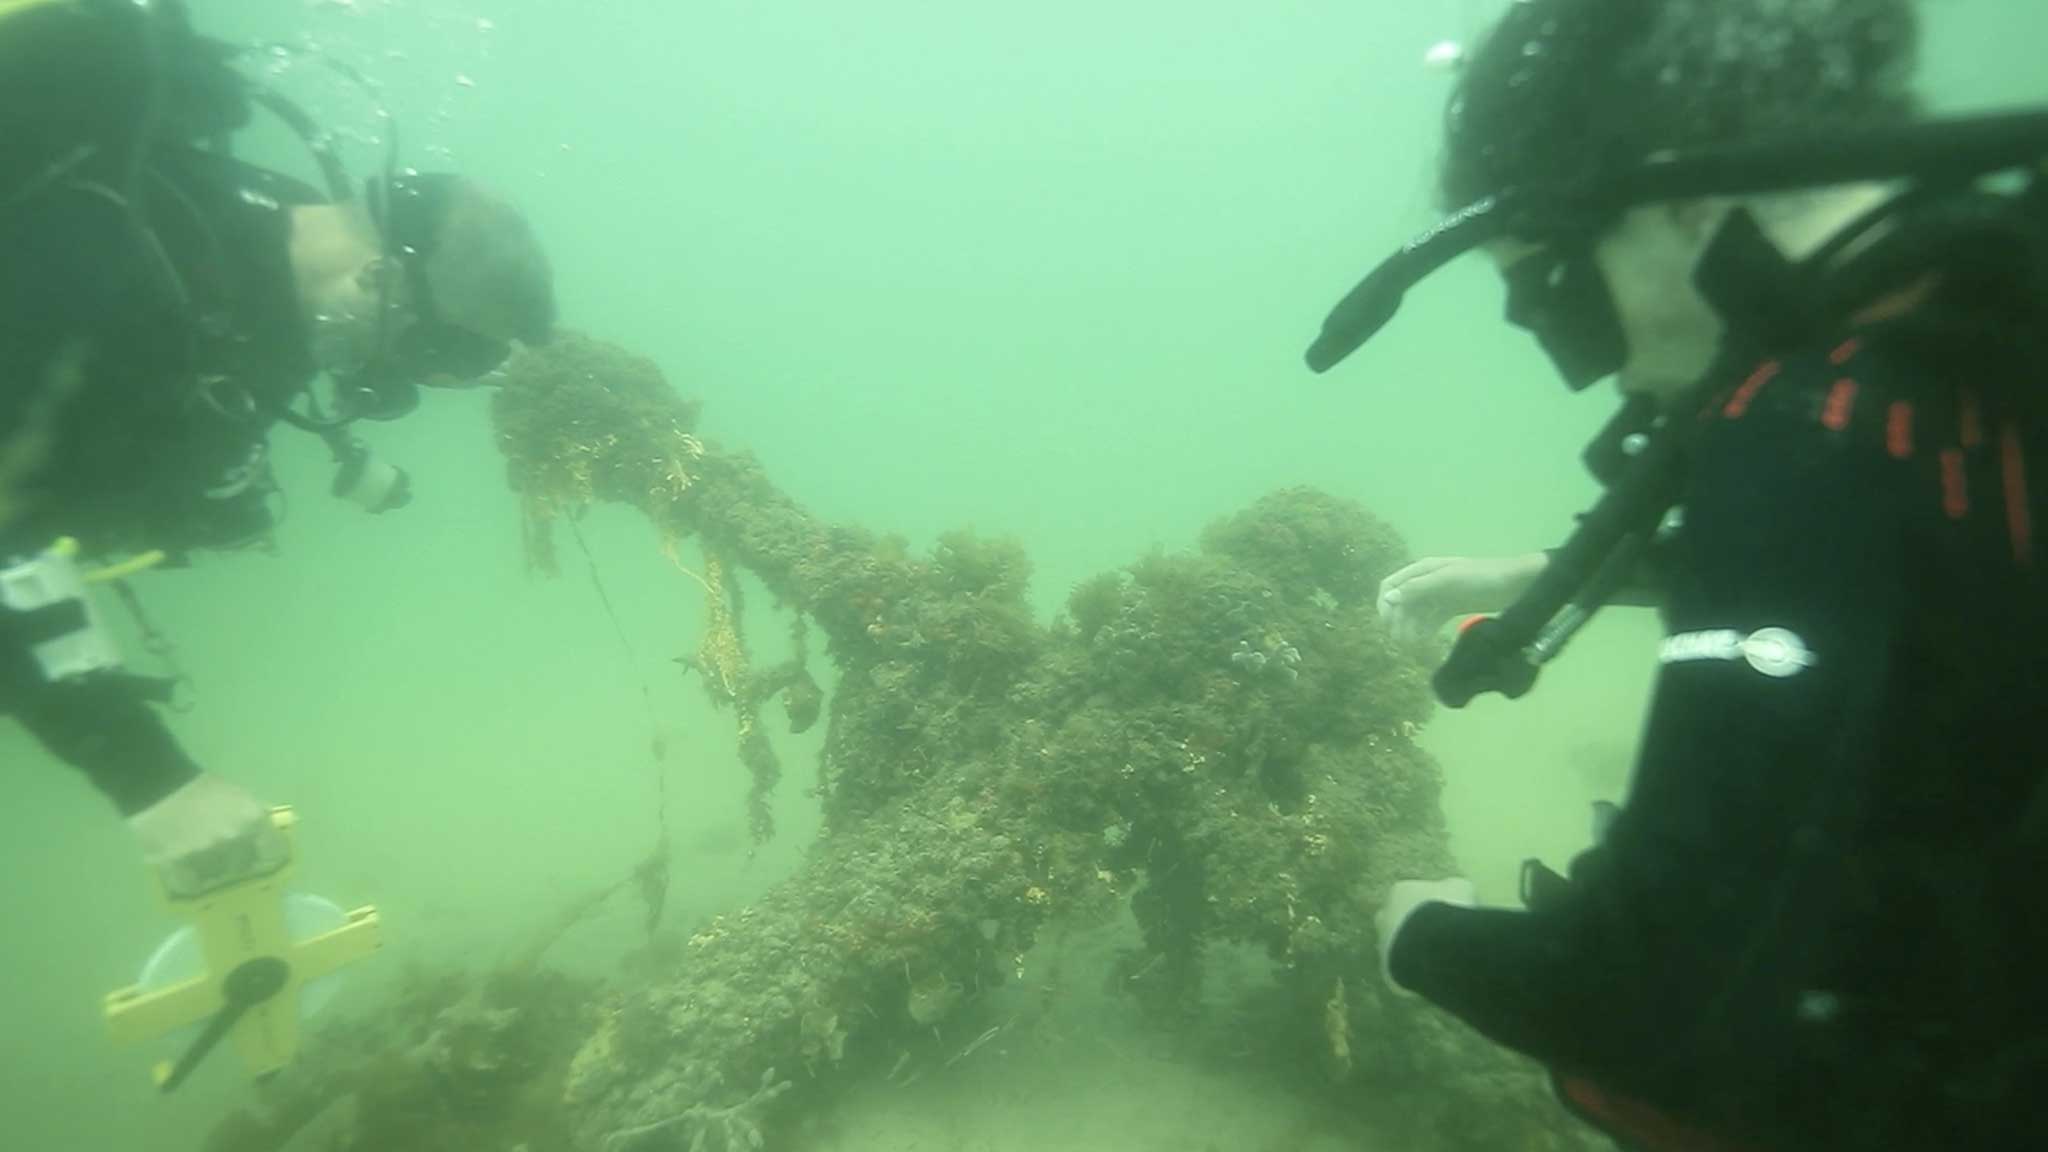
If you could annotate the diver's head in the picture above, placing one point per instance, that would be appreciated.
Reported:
(1572, 86)
(426, 279)
(477, 278)
(340, 271)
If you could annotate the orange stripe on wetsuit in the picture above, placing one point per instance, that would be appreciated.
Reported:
(1838, 408)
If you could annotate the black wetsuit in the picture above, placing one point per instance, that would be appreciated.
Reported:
(149, 335)
(1817, 923)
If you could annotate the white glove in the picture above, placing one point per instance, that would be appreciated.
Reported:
(208, 834)
(1402, 901)
(1418, 600)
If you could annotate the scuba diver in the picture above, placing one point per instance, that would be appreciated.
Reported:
(163, 306)
(1817, 921)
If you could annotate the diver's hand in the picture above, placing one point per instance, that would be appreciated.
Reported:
(208, 834)
(1417, 600)
(1402, 901)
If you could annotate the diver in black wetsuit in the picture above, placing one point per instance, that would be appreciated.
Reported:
(162, 308)
(1817, 923)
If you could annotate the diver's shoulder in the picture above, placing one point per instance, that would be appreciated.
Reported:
(1815, 388)
(1841, 414)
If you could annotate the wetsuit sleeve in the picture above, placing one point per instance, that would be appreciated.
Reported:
(101, 724)
(84, 321)
(104, 729)
(59, 394)
(1644, 589)
(1784, 600)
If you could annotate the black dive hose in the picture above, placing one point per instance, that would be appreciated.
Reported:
(1504, 653)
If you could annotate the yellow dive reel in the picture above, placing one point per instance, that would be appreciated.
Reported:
(254, 972)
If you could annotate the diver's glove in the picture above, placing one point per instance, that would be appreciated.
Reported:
(1402, 901)
(1415, 602)
(208, 834)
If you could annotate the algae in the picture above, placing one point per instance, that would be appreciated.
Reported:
(1221, 740)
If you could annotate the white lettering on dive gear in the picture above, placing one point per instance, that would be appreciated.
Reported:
(1775, 652)
(255, 199)
(1478, 208)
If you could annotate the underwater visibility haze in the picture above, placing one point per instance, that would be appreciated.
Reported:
(900, 670)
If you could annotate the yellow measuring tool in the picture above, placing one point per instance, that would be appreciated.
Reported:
(249, 992)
